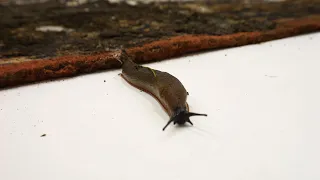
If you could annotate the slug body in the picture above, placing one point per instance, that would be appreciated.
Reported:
(164, 87)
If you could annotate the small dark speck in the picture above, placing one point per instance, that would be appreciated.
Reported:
(225, 55)
(17, 109)
(140, 91)
(34, 125)
(43, 135)
(104, 80)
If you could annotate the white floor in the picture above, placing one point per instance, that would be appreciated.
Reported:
(263, 121)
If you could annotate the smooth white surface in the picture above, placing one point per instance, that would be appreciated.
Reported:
(263, 121)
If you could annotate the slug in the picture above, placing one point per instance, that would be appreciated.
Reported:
(164, 87)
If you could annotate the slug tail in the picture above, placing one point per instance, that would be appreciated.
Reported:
(123, 56)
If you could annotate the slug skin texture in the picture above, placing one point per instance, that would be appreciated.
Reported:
(164, 87)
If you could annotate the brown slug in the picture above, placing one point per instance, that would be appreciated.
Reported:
(164, 87)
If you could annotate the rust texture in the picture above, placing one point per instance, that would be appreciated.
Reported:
(28, 56)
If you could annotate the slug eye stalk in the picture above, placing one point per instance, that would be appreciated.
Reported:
(182, 118)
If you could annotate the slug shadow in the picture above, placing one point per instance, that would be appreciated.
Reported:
(202, 131)
(174, 130)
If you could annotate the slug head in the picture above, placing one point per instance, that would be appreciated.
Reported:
(182, 116)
